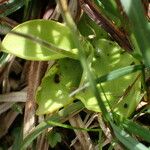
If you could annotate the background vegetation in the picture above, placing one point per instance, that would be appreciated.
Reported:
(74, 74)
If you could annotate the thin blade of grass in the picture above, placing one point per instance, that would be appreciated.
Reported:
(82, 56)
(4, 29)
(10, 7)
(18, 139)
(119, 73)
(109, 6)
(140, 26)
(136, 129)
(53, 123)
(33, 9)
(61, 116)
(28, 6)
(127, 140)
(99, 18)
(111, 76)
(4, 59)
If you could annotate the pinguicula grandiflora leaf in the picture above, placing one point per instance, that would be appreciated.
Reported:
(123, 93)
(40, 40)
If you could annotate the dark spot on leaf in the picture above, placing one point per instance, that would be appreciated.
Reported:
(57, 78)
(108, 54)
(76, 100)
(122, 52)
(133, 63)
(84, 90)
(97, 56)
(61, 108)
(125, 105)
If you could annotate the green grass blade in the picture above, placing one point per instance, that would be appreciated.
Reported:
(61, 116)
(127, 140)
(10, 7)
(53, 123)
(140, 26)
(111, 76)
(18, 138)
(136, 129)
(28, 9)
(83, 59)
(119, 73)
(33, 9)
(4, 59)
(4, 29)
(109, 7)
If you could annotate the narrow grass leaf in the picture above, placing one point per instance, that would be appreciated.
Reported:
(53, 138)
(10, 7)
(109, 7)
(53, 123)
(4, 59)
(136, 129)
(4, 28)
(127, 140)
(119, 73)
(18, 133)
(61, 116)
(83, 59)
(111, 76)
(140, 26)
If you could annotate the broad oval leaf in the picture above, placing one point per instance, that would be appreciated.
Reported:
(58, 82)
(122, 93)
(49, 31)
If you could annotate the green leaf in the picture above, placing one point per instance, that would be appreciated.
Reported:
(4, 28)
(4, 59)
(17, 108)
(71, 127)
(57, 117)
(53, 138)
(83, 59)
(111, 76)
(58, 82)
(119, 73)
(127, 140)
(18, 134)
(140, 26)
(24, 41)
(137, 129)
(89, 29)
(110, 9)
(10, 7)
(108, 57)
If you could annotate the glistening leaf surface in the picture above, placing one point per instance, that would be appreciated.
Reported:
(58, 82)
(108, 57)
(52, 32)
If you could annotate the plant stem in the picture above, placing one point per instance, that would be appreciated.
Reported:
(70, 23)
